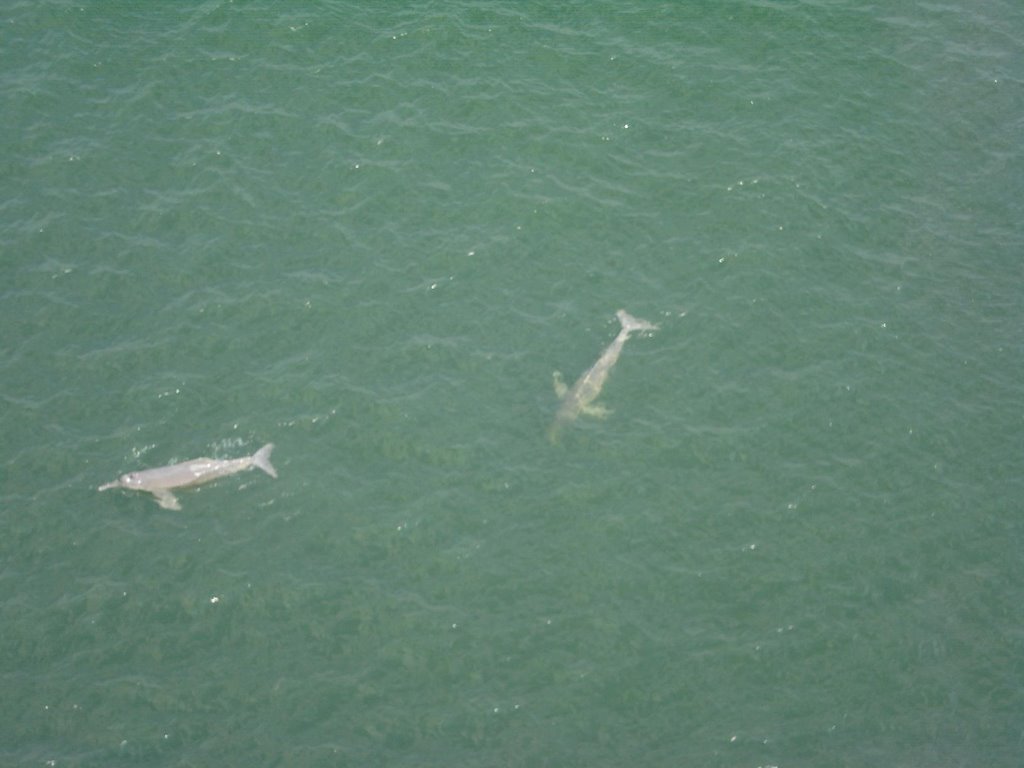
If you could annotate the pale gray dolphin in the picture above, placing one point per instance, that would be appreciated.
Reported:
(162, 480)
(580, 396)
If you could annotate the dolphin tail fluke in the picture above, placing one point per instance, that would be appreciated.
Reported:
(261, 459)
(630, 323)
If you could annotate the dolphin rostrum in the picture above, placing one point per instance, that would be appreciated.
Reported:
(162, 480)
(579, 397)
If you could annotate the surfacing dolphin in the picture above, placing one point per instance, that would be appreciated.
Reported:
(162, 480)
(580, 396)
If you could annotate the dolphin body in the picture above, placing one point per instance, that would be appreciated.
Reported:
(162, 480)
(580, 396)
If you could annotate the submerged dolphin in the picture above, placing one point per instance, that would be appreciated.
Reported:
(579, 398)
(162, 480)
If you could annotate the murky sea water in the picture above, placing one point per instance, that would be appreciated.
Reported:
(369, 233)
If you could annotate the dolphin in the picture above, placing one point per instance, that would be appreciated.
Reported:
(162, 480)
(580, 396)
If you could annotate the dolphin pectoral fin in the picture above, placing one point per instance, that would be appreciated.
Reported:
(166, 499)
(597, 411)
(560, 388)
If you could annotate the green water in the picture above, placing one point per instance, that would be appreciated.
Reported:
(369, 233)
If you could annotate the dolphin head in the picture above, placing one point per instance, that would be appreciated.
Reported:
(130, 480)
